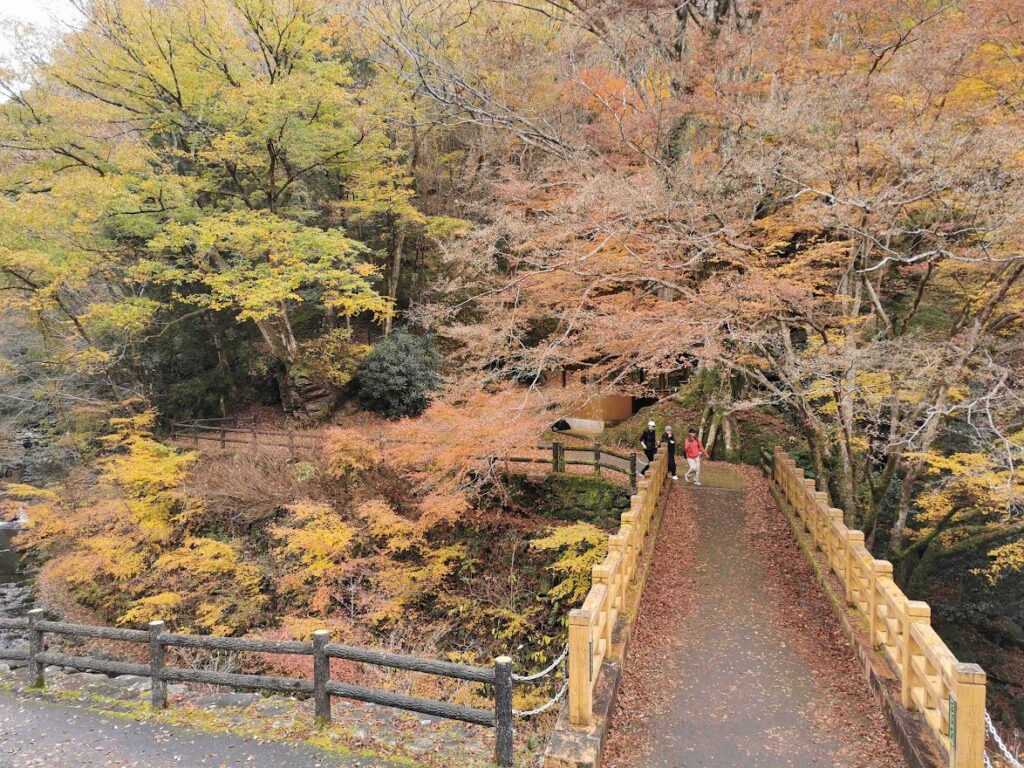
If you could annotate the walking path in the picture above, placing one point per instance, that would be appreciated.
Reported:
(41, 733)
(714, 679)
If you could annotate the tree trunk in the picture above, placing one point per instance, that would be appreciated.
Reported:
(395, 271)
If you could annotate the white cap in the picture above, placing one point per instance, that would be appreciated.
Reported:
(668, 427)
(651, 423)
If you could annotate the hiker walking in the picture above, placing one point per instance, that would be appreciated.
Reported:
(670, 442)
(694, 450)
(649, 443)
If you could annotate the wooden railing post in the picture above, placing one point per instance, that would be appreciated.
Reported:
(36, 646)
(881, 571)
(914, 612)
(632, 472)
(852, 566)
(223, 438)
(321, 677)
(158, 686)
(503, 710)
(967, 717)
(839, 558)
(554, 456)
(822, 520)
(597, 458)
(581, 705)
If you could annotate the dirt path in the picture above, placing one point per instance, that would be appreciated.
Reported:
(715, 679)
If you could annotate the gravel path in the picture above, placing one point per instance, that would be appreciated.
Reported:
(714, 679)
(42, 733)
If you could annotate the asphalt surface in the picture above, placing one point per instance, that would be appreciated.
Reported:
(41, 733)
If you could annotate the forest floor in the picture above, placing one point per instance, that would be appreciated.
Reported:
(738, 659)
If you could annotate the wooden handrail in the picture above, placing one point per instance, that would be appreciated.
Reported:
(591, 625)
(949, 694)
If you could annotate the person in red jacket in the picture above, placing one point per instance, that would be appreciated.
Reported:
(694, 450)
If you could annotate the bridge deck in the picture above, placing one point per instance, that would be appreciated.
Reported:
(723, 672)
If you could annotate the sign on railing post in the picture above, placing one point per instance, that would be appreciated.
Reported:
(158, 686)
(503, 710)
(967, 717)
(36, 646)
(321, 677)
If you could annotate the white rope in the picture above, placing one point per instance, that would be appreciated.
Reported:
(545, 672)
(544, 707)
(1000, 744)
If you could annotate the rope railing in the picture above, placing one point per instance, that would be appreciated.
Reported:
(1003, 751)
(544, 672)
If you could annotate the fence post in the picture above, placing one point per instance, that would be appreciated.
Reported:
(967, 725)
(914, 612)
(632, 472)
(503, 710)
(321, 677)
(597, 458)
(158, 686)
(223, 438)
(36, 645)
(554, 456)
(581, 704)
(853, 538)
(881, 571)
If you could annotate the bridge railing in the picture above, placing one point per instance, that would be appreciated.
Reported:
(591, 626)
(949, 694)
(498, 676)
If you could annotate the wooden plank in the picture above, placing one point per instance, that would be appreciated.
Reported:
(14, 623)
(232, 680)
(92, 664)
(411, 663)
(413, 704)
(88, 630)
(238, 644)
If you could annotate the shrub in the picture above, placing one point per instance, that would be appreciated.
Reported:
(397, 377)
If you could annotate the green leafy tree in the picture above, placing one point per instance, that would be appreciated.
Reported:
(397, 377)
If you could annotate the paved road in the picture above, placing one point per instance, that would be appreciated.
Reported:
(724, 687)
(41, 733)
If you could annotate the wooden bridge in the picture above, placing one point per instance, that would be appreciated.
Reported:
(934, 704)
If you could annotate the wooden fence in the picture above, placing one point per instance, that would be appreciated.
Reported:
(229, 432)
(949, 694)
(321, 687)
(591, 626)
(559, 456)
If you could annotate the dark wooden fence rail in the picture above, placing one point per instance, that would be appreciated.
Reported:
(221, 433)
(558, 456)
(322, 688)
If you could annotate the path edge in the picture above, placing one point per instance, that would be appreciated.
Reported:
(574, 747)
(908, 728)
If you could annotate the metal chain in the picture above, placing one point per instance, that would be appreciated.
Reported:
(545, 672)
(1007, 754)
(544, 707)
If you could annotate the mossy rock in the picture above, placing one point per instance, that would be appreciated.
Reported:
(573, 498)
